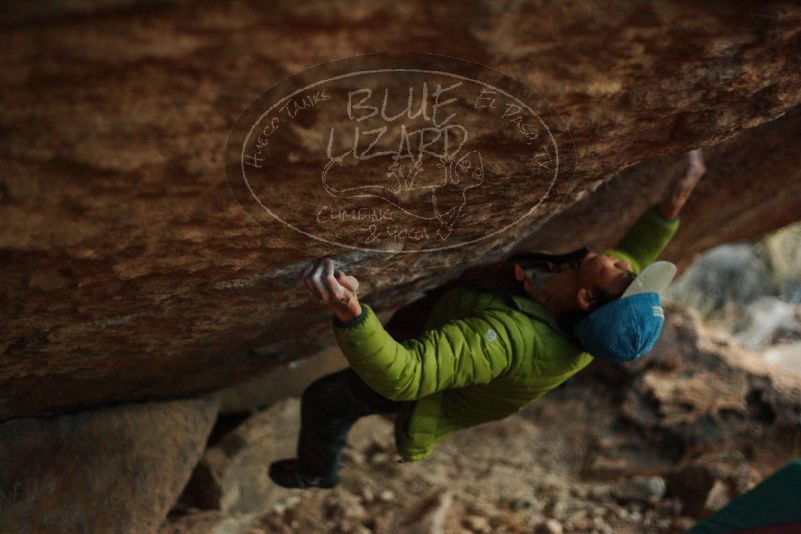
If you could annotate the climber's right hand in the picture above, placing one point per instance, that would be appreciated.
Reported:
(334, 288)
(679, 191)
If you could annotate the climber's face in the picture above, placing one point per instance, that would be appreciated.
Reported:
(599, 274)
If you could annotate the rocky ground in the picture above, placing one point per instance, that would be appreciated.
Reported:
(513, 476)
(752, 289)
(646, 448)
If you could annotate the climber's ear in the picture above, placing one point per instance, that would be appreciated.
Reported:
(585, 299)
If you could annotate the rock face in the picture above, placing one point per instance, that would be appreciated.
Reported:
(114, 469)
(232, 475)
(129, 270)
(744, 194)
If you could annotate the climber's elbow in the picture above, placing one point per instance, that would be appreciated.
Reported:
(406, 390)
(388, 387)
(401, 395)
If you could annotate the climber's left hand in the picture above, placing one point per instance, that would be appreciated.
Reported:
(333, 287)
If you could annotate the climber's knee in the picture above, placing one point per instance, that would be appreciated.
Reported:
(321, 392)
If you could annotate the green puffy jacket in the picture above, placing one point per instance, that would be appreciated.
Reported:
(483, 354)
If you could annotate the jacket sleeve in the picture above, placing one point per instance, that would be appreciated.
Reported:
(646, 239)
(472, 350)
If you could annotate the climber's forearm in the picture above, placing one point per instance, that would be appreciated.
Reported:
(391, 369)
(347, 312)
(679, 191)
(676, 197)
(669, 208)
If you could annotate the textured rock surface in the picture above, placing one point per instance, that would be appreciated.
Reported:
(114, 469)
(287, 381)
(212, 522)
(751, 185)
(232, 474)
(129, 271)
(699, 392)
(751, 402)
(428, 515)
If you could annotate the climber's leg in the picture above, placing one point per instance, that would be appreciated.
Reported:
(331, 404)
(329, 408)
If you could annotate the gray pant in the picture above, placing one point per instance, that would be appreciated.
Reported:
(329, 407)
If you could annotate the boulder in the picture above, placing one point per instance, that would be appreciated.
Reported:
(129, 270)
(700, 389)
(289, 380)
(732, 275)
(232, 476)
(640, 489)
(115, 469)
(211, 522)
(735, 200)
(708, 482)
(427, 516)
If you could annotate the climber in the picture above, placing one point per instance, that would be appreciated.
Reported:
(485, 345)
